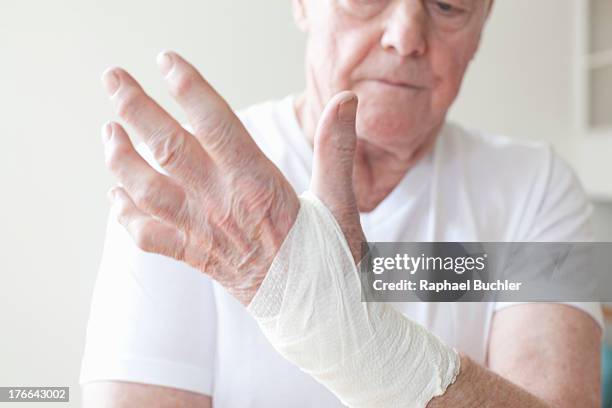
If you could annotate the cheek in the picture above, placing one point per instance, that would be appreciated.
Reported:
(449, 60)
(336, 47)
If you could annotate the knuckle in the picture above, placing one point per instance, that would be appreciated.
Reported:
(183, 84)
(215, 128)
(168, 146)
(146, 195)
(130, 104)
(163, 200)
(143, 238)
(343, 146)
(213, 123)
(156, 186)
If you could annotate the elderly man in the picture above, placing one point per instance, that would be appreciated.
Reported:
(368, 137)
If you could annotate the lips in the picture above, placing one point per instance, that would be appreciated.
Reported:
(401, 84)
(398, 84)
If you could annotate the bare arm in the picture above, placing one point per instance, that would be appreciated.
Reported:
(546, 355)
(540, 355)
(118, 394)
(553, 364)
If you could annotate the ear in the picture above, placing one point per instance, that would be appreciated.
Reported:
(299, 14)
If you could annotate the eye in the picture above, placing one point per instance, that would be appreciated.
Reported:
(445, 8)
(449, 15)
(363, 8)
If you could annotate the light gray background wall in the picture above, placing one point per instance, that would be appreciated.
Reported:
(53, 205)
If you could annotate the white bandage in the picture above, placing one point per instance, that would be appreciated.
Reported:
(309, 307)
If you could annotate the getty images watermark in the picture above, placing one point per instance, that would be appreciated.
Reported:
(481, 271)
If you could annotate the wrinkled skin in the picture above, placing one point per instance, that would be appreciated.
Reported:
(405, 60)
(223, 207)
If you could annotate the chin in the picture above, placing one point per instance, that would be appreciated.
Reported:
(391, 128)
(393, 117)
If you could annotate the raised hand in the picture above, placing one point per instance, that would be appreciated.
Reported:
(222, 207)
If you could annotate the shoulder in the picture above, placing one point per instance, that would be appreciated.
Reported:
(527, 178)
(506, 159)
(496, 151)
(497, 163)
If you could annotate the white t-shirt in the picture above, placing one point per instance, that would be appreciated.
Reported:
(158, 321)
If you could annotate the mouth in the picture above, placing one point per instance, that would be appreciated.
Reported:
(398, 84)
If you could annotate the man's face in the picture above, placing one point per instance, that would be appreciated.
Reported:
(405, 59)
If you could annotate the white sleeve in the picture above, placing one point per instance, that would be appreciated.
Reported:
(563, 214)
(152, 320)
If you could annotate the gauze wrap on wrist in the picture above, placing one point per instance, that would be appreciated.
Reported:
(309, 307)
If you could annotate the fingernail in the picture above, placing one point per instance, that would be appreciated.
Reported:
(111, 81)
(165, 62)
(346, 106)
(107, 132)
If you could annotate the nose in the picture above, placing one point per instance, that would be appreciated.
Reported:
(406, 29)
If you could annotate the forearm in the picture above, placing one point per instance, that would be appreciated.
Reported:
(367, 354)
(370, 355)
(476, 386)
(120, 394)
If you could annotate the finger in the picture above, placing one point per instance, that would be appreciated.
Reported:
(155, 236)
(214, 123)
(334, 151)
(172, 146)
(153, 192)
(149, 234)
(332, 180)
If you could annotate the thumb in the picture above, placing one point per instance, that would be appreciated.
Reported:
(332, 175)
(334, 151)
